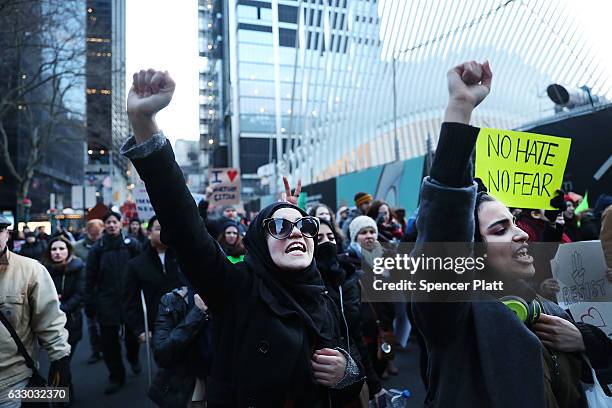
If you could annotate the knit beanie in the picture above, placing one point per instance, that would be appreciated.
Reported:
(361, 198)
(359, 223)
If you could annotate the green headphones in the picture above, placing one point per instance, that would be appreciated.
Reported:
(527, 312)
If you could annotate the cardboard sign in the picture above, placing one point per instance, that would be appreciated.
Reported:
(521, 169)
(225, 184)
(580, 268)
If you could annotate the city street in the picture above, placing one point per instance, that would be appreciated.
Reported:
(90, 380)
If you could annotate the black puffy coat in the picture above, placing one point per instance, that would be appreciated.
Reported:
(34, 251)
(69, 280)
(106, 264)
(257, 339)
(146, 272)
(182, 348)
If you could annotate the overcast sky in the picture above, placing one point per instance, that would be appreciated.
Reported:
(163, 35)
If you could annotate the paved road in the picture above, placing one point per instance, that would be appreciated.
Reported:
(409, 377)
(90, 380)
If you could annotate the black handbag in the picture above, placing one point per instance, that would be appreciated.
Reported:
(36, 380)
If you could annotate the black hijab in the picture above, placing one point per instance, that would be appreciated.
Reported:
(299, 291)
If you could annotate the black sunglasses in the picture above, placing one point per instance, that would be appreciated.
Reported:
(281, 228)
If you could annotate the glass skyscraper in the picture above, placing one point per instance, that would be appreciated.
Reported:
(336, 86)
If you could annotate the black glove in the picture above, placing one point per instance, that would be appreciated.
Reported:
(59, 373)
(380, 219)
(558, 202)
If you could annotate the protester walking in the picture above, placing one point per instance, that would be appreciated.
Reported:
(182, 348)
(93, 232)
(278, 332)
(154, 272)
(30, 313)
(377, 317)
(68, 274)
(33, 247)
(231, 242)
(323, 212)
(363, 201)
(106, 265)
(135, 232)
(341, 278)
(389, 230)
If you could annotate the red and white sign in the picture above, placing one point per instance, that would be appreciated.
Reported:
(225, 185)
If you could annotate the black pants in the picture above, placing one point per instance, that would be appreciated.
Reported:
(94, 335)
(110, 341)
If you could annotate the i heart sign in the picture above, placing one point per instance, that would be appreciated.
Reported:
(594, 317)
(232, 174)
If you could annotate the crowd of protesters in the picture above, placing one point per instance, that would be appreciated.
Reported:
(271, 312)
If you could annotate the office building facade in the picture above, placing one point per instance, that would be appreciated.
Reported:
(337, 86)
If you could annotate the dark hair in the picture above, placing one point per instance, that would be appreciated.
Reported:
(111, 214)
(135, 219)
(47, 256)
(334, 225)
(373, 211)
(481, 197)
(232, 250)
(151, 221)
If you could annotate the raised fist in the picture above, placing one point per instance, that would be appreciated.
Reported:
(469, 82)
(151, 91)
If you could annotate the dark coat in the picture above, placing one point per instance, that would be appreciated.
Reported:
(351, 302)
(480, 354)
(34, 251)
(182, 348)
(70, 285)
(106, 264)
(256, 338)
(146, 272)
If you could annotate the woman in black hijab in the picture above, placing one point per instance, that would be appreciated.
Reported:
(276, 333)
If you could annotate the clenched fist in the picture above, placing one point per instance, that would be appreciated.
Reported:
(151, 91)
(468, 85)
(328, 366)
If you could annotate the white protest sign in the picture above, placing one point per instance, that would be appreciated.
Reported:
(596, 314)
(143, 204)
(225, 184)
(580, 268)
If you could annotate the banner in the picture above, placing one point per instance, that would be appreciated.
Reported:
(521, 169)
(225, 184)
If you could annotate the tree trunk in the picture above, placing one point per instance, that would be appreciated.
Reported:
(23, 189)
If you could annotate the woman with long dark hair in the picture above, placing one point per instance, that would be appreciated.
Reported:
(483, 353)
(68, 274)
(231, 242)
(277, 335)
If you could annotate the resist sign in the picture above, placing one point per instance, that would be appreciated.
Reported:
(521, 169)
